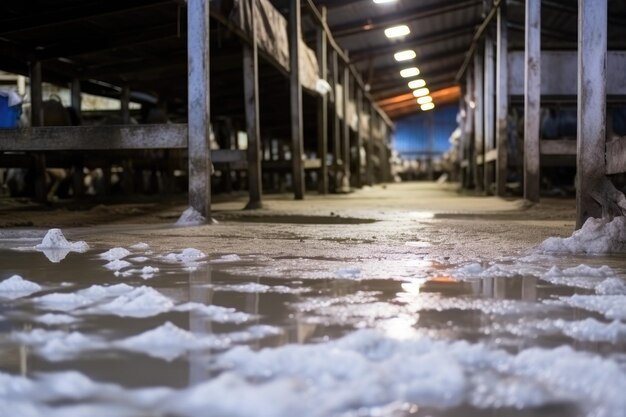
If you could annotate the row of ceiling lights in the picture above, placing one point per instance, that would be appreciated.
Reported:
(417, 85)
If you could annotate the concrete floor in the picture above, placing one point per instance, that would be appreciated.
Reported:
(402, 300)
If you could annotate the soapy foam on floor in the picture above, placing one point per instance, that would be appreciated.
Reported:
(140, 302)
(54, 239)
(114, 254)
(256, 288)
(581, 276)
(117, 265)
(140, 246)
(226, 258)
(190, 217)
(611, 306)
(53, 319)
(596, 236)
(611, 286)
(364, 370)
(587, 330)
(17, 287)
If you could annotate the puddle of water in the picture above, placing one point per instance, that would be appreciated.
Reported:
(426, 344)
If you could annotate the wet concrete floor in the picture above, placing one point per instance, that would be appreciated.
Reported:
(409, 300)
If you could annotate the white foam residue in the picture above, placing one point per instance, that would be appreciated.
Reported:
(56, 345)
(54, 239)
(611, 286)
(54, 319)
(190, 217)
(596, 236)
(140, 302)
(611, 306)
(101, 292)
(189, 256)
(138, 259)
(148, 272)
(169, 342)
(216, 313)
(581, 276)
(254, 287)
(62, 301)
(227, 258)
(476, 270)
(348, 273)
(114, 254)
(140, 246)
(117, 265)
(17, 287)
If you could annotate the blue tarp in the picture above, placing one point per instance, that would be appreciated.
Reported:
(413, 133)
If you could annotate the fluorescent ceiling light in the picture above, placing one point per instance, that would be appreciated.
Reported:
(409, 72)
(427, 106)
(424, 100)
(420, 92)
(397, 31)
(384, 1)
(417, 84)
(404, 55)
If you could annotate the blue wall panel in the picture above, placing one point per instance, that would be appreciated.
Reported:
(412, 136)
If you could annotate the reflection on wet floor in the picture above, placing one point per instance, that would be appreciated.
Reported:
(443, 343)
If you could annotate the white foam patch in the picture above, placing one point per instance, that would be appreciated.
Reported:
(140, 246)
(360, 374)
(17, 287)
(596, 236)
(611, 286)
(227, 258)
(348, 273)
(114, 254)
(611, 306)
(54, 239)
(215, 313)
(169, 342)
(138, 259)
(253, 287)
(57, 345)
(52, 319)
(62, 301)
(117, 265)
(588, 330)
(581, 276)
(190, 217)
(140, 302)
(476, 270)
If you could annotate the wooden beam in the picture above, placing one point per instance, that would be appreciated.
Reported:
(199, 121)
(616, 156)
(93, 138)
(295, 87)
(502, 101)
(532, 100)
(490, 107)
(337, 159)
(369, 153)
(591, 132)
(345, 149)
(359, 137)
(479, 120)
(76, 99)
(558, 147)
(404, 16)
(125, 104)
(322, 107)
(251, 97)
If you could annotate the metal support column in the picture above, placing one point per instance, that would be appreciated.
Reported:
(199, 123)
(532, 98)
(125, 104)
(76, 100)
(251, 95)
(591, 135)
(296, 100)
(502, 101)
(369, 153)
(336, 124)
(479, 121)
(359, 138)
(322, 107)
(489, 120)
(345, 180)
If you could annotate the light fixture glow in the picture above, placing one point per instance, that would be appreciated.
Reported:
(404, 55)
(417, 84)
(424, 100)
(384, 1)
(427, 106)
(397, 31)
(420, 92)
(409, 72)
